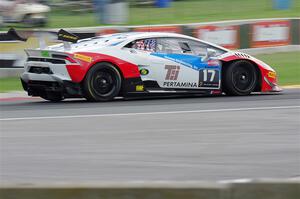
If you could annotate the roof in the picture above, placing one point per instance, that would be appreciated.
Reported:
(136, 35)
(130, 36)
(118, 39)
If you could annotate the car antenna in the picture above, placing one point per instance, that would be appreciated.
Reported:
(42, 40)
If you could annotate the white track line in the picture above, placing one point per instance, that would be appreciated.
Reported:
(148, 113)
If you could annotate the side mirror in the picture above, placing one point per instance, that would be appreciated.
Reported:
(132, 51)
(209, 53)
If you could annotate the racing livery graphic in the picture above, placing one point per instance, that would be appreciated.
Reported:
(124, 64)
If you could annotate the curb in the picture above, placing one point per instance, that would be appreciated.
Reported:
(291, 86)
(16, 96)
(22, 95)
(13, 94)
(250, 189)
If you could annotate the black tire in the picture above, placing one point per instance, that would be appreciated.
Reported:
(240, 78)
(102, 82)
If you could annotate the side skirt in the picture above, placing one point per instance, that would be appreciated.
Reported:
(135, 86)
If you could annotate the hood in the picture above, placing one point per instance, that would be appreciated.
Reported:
(233, 55)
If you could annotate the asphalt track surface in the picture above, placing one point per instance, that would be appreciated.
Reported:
(176, 138)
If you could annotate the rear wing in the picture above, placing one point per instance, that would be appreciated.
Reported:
(66, 36)
(12, 35)
(62, 35)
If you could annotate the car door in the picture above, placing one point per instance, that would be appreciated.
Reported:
(180, 64)
(138, 52)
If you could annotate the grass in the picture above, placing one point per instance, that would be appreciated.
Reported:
(182, 12)
(185, 12)
(286, 64)
(10, 84)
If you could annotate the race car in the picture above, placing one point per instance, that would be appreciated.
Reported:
(124, 64)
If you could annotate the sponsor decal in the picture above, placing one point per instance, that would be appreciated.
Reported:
(69, 37)
(216, 92)
(181, 84)
(139, 87)
(190, 61)
(209, 78)
(66, 36)
(146, 45)
(45, 53)
(144, 71)
(270, 33)
(272, 74)
(226, 36)
(172, 72)
(213, 63)
(83, 57)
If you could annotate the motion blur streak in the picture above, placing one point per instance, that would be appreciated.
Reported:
(149, 113)
(220, 145)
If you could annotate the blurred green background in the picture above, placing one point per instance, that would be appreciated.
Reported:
(185, 11)
(80, 13)
(74, 14)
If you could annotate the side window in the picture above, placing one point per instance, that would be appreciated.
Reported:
(169, 46)
(173, 46)
(143, 44)
(200, 48)
(185, 47)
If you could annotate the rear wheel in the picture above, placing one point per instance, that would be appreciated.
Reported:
(102, 82)
(240, 78)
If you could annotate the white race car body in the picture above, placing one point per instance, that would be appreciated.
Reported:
(147, 62)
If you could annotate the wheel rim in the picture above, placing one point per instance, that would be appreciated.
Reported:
(243, 78)
(104, 82)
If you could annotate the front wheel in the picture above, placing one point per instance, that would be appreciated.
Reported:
(102, 82)
(240, 78)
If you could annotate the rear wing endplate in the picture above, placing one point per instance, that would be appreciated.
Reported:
(62, 35)
(66, 36)
(13, 35)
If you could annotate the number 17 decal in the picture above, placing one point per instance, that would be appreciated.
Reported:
(212, 74)
(209, 78)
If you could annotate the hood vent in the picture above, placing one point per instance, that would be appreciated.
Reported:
(243, 55)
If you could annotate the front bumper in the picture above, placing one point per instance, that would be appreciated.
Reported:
(271, 86)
